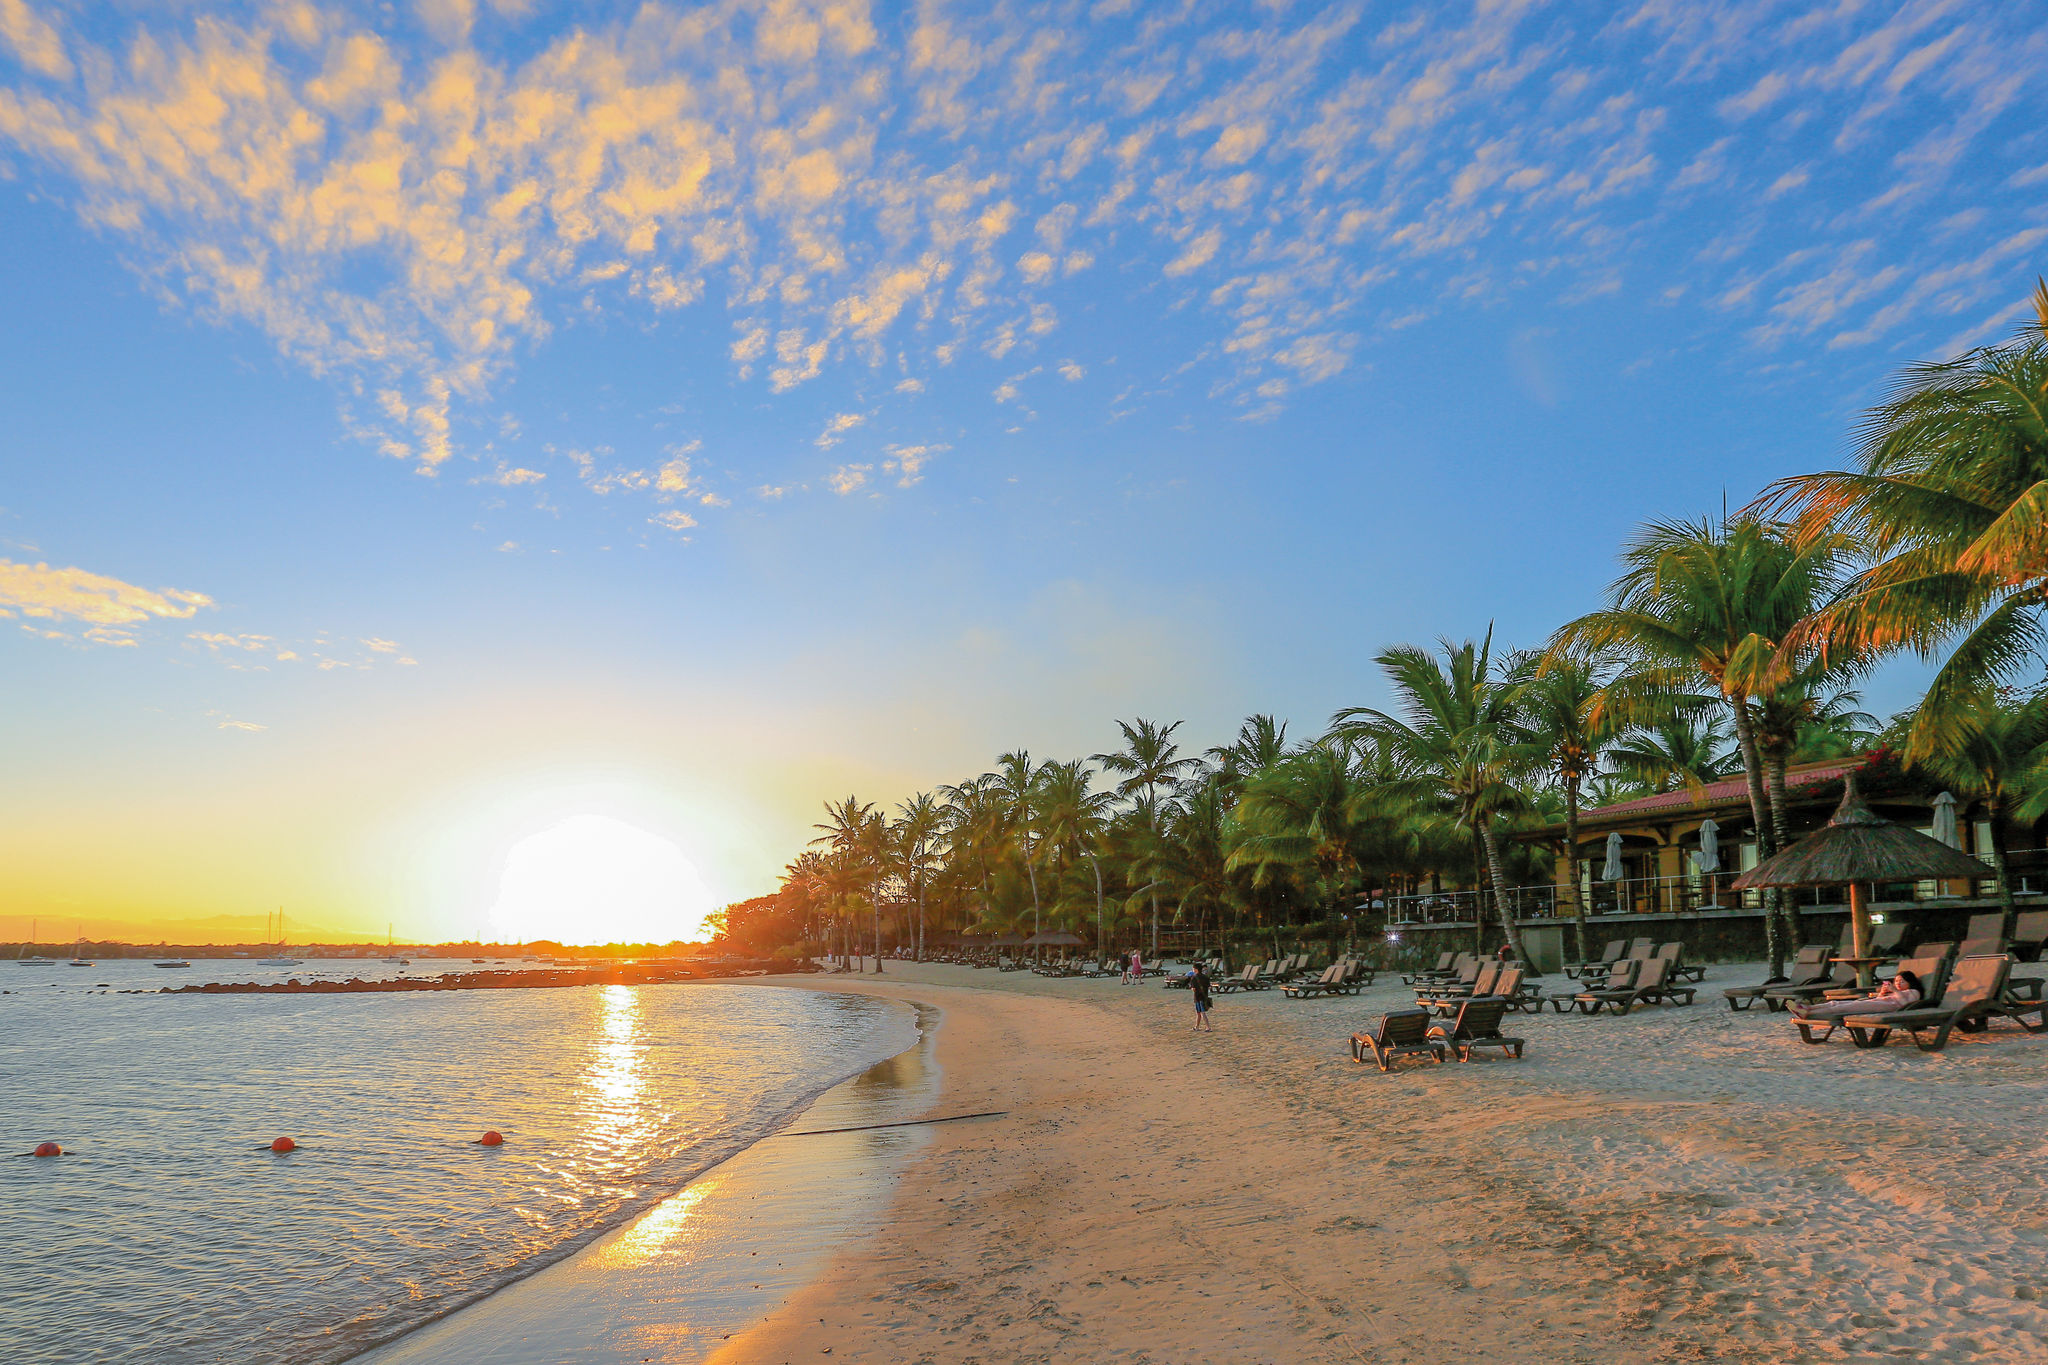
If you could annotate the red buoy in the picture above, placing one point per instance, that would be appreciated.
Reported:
(491, 1139)
(283, 1145)
(48, 1149)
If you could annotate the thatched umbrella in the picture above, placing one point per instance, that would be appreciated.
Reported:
(1054, 938)
(1859, 846)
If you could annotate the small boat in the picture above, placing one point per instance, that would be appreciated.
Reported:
(174, 962)
(391, 955)
(22, 959)
(78, 957)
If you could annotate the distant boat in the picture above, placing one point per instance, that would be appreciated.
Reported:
(392, 957)
(278, 959)
(174, 962)
(78, 957)
(22, 959)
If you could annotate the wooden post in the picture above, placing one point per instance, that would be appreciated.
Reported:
(1859, 931)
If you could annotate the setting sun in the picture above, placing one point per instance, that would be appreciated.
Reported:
(596, 879)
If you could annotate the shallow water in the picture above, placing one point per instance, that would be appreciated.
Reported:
(168, 1232)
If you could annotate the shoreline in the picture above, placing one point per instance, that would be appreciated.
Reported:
(582, 1301)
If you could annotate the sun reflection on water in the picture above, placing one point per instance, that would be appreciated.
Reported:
(614, 1083)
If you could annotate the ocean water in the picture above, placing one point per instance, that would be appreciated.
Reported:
(169, 1232)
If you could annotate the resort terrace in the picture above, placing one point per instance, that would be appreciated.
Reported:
(1660, 879)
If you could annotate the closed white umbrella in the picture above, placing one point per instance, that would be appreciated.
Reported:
(1709, 855)
(1611, 870)
(1945, 821)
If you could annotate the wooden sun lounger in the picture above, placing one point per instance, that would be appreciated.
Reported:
(2030, 935)
(1620, 977)
(1809, 965)
(1481, 983)
(1975, 992)
(1401, 1033)
(1841, 977)
(1616, 949)
(1324, 984)
(1679, 970)
(1477, 1025)
(1446, 965)
(1933, 974)
(1648, 985)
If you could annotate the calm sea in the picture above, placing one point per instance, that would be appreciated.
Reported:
(169, 1232)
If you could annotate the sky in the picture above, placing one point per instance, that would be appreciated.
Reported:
(426, 424)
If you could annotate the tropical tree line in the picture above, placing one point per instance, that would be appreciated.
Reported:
(1729, 646)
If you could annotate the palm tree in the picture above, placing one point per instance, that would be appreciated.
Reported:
(1312, 817)
(1714, 602)
(1686, 748)
(857, 836)
(1951, 501)
(1560, 701)
(1015, 783)
(976, 824)
(1192, 859)
(1072, 819)
(1460, 744)
(1261, 742)
(1988, 751)
(1148, 761)
(919, 824)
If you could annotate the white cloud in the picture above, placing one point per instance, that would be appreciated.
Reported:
(847, 478)
(107, 606)
(837, 427)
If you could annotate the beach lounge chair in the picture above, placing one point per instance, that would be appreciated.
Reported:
(1678, 970)
(1515, 987)
(1615, 951)
(2030, 935)
(1887, 937)
(1477, 1025)
(1648, 985)
(1321, 985)
(1841, 976)
(1991, 925)
(1243, 981)
(1480, 984)
(1469, 968)
(1980, 947)
(1808, 966)
(1401, 1033)
(1933, 975)
(1447, 965)
(1619, 977)
(1357, 976)
(1976, 990)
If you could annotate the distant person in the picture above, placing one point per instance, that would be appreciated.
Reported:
(1136, 971)
(1902, 992)
(1198, 986)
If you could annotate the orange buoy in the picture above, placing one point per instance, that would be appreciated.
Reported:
(283, 1145)
(491, 1139)
(48, 1149)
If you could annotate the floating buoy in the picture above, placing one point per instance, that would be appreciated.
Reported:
(48, 1149)
(491, 1139)
(283, 1145)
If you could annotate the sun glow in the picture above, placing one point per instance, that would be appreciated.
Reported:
(595, 879)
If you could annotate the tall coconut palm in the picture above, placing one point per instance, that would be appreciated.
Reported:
(1148, 761)
(857, 836)
(1261, 742)
(1071, 818)
(1192, 859)
(1714, 602)
(1951, 502)
(920, 823)
(1560, 704)
(1310, 816)
(1015, 783)
(976, 825)
(1458, 742)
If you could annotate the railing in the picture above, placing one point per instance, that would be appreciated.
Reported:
(1691, 894)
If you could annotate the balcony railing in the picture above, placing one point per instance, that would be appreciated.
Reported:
(1693, 893)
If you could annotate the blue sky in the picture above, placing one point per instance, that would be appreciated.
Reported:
(693, 412)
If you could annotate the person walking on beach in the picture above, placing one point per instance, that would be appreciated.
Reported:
(1198, 986)
(1136, 971)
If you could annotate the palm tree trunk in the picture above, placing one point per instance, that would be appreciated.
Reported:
(1571, 862)
(1498, 868)
(1031, 871)
(1098, 910)
(1994, 808)
(1752, 770)
(1774, 782)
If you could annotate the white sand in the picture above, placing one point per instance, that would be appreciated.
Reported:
(1681, 1184)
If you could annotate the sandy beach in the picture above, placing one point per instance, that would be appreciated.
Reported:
(1682, 1184)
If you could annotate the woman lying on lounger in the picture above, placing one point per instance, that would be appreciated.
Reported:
(1902, 992)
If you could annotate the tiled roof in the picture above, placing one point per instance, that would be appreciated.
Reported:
(1715, 793)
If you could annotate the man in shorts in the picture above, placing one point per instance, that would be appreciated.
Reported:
(1198, 986)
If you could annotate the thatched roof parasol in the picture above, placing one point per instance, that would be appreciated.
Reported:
(1859, 845)
(1855, 847)
(1006, 941)
(1054, 938)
